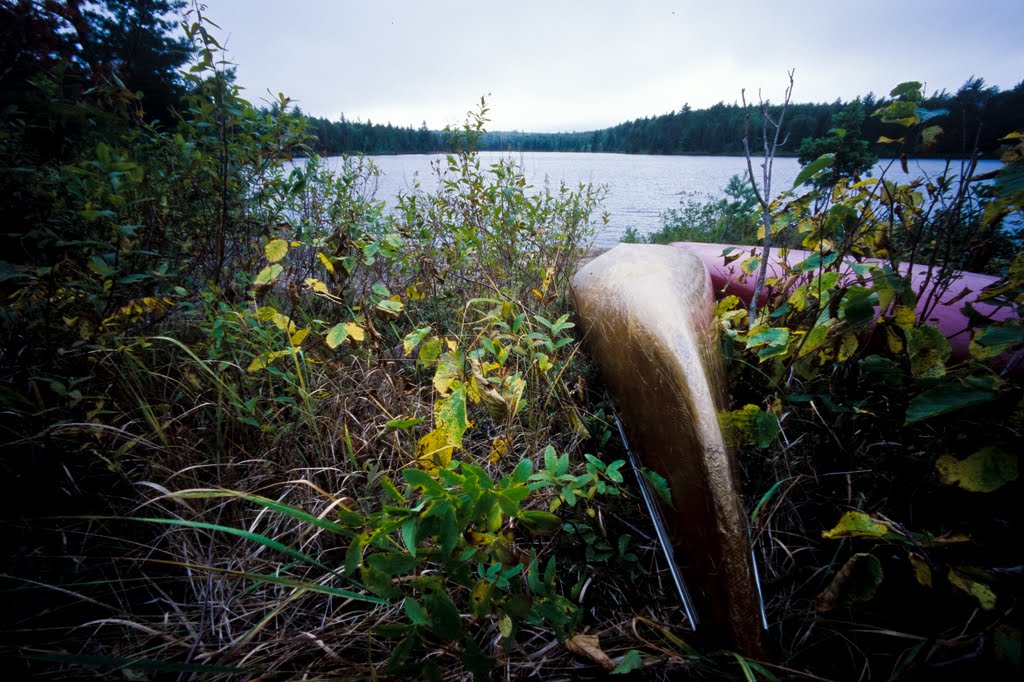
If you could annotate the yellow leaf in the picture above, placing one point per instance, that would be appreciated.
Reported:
(922, 571)
(848, 346)
(986, 470)
(413, 292)
(283, 322)
(448, 373)
(727, 304)
(855, 524)
(893, 341)
(346, 330)
(434, 450)
(356, 332)
(499, 446)
(276, 250)
(316, 285)
(298, 337)
(266, 359)
(904, 316)
(328, 265)
(980, 591)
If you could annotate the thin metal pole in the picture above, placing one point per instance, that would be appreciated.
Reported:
(659, 528)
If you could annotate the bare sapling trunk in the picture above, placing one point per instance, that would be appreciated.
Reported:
(772, 139)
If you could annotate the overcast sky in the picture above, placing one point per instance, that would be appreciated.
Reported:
(553, 65)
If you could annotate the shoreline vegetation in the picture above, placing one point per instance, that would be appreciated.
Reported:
(975, 114)
(257, 426)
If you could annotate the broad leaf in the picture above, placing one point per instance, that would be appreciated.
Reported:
(945, 398)
(855, 524)
(813, 168)
(986, 470)
(276, 250)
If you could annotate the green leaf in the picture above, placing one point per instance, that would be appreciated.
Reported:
(774, 340)
(404, 423)
(413, 338)
(409, 530)
(417, 614)
(444, 617)
(660, 486)
(540, 522)
(945, 398)
(930, 135)
(392, 564)
(1010, 179)
(521, 474)
(339, 332)
(908, 90)
(767, 496)
(421, 479)
(613, 473)
(986, 470)
(630, 661)
(750, 265)
(550, 459)
(276, 250)
(856, 581)
(813, 168)
(748, 673)
(858, 305)
(855, 524)
(269, 274)
(1000, 335)
(100, 267)
(766, 428)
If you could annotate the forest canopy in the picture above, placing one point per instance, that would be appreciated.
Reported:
(975, 115)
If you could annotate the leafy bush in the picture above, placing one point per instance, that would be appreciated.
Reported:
(726, 221)
(841, 374)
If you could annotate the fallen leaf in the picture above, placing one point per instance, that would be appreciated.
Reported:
(589, 646)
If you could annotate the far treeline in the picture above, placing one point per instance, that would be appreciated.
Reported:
(976, 116)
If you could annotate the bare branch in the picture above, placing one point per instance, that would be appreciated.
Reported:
(773, 128)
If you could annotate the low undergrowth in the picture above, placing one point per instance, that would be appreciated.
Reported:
(256, 425)
(881, 467)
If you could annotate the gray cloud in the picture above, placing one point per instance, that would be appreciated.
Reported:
(551, 65)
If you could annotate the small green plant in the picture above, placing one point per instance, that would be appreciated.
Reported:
(599, 478)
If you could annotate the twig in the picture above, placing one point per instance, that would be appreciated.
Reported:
(764, 197)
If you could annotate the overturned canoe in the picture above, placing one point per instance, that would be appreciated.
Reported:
(647, 313)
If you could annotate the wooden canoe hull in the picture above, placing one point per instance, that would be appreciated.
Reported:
(647, 312)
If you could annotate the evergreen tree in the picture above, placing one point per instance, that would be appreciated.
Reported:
(853, 153)
(134, 40)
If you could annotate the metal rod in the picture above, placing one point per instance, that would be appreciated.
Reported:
(659, 527)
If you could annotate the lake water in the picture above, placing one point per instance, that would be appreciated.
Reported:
(639, 187)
